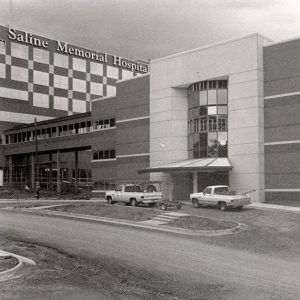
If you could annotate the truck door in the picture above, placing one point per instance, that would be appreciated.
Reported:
(208, 196)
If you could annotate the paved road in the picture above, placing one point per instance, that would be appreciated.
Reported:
(247, 275)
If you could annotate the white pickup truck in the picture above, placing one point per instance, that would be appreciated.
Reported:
(131, 194)
(221, 196)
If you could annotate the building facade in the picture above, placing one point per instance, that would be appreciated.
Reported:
(226, 113)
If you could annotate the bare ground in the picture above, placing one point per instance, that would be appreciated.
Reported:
(59, 275)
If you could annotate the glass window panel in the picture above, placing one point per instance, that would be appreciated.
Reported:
(95, 155)
(190, 145)
(222, 110)
(196, 141)
(203, 152)
(203, 124)
(100, 154)
(203, 140)
(212, 97)
(212, 144)
(203, 98)
(222, 96)
(222, 123)
(196, 153)
(106, 154)
(203, 111)
(222, 144)
(212, 124)
(212, 110)
(196, 125)
(112, 153)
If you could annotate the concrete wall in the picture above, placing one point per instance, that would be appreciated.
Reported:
(241, 61)
(282, 121)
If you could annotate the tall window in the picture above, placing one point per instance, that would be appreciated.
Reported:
(208, 119)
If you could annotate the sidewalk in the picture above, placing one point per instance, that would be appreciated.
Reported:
(275, 207)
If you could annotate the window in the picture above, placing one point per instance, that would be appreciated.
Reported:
(212, 124)
(104, 154)
(207, 191)
(196, 125)
(203, 124)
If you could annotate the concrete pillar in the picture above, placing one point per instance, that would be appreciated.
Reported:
(195, 182)
(50, 172)
(76, 172)
(32, 162)
(58, 183)
(170, 187)
(10, 169)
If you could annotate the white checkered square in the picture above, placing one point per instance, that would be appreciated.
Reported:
(88, 77)
(70, 73)
(88, 97)
(51, 69)
(104, 80)
(70, 94)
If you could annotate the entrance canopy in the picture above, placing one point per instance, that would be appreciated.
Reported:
(199, 165)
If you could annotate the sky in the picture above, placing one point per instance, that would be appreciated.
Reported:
(147, 29)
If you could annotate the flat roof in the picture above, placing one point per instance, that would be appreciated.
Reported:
(50, 121)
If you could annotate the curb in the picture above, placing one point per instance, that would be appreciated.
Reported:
(22, 261)
(117, 222)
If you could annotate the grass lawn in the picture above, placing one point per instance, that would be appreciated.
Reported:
(110, 211)
(200, 223)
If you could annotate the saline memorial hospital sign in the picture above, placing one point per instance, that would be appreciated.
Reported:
(28, 38)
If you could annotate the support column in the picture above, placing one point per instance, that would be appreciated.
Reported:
(195, 182)
(50, 172)
(58, 183)
(76, 172)
(32, 162)
(10, 169)
(170, 187)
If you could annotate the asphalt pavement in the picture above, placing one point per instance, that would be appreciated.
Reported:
(248, 275)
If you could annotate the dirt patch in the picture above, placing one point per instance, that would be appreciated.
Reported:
(110, 211)
(59, 275)
(7, 263)
(200, 223)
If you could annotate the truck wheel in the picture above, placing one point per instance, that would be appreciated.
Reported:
(110, 201)
(239, 208)
(133, 202)
(196, 203)
(178, 206)
(222, 206)
(164, 207)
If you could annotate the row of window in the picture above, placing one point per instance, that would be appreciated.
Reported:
(208, 124)
(212, 144)
(206, 85)
(57, 131)
(104, 154)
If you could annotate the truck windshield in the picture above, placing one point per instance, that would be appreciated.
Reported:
(221, 190)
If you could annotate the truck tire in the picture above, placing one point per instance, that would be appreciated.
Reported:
(222, 206)
(164, 207)
(109, 200)
(196, 203)
(133, 202)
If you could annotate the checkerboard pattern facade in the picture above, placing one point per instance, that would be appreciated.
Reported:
(59, 82)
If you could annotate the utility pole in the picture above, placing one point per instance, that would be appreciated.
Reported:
(37, 184)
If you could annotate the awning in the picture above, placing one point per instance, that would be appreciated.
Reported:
(200, 165)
